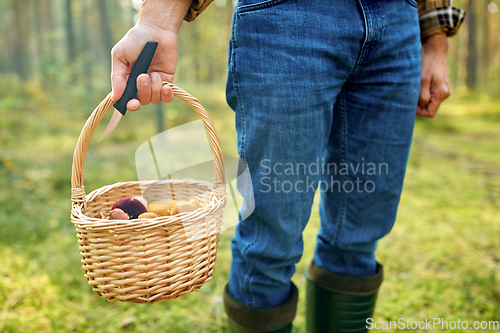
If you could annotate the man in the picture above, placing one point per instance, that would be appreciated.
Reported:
(318, 88)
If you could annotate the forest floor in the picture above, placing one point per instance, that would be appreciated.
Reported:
(442, 259)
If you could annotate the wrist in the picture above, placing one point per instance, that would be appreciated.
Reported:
(437, 43)
(165, 15)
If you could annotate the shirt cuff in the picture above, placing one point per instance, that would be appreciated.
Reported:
(438, 16)
(197, 7)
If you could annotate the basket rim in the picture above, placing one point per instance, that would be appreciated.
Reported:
(106, 188)
(77, 170)
(217, 202)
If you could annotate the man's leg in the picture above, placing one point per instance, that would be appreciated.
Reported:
(367, 154)
(288, 61)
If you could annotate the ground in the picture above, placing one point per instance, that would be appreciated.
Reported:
(441, 259)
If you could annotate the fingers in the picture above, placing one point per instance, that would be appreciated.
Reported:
(167, 94)
(425, 91)
(144, 89)
(118, 73)
(155, 88)
(133, 105)
(150, 89)
(442, 93)
(437, 96)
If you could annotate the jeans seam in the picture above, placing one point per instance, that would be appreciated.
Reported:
(257, 237)
(371, 39)
(236, 88)
(364, 47)
(257, 6)
(247, 289)
(342, 198)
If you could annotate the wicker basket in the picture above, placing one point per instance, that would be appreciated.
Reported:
(148, 260)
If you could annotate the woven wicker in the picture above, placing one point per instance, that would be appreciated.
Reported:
(148, 260)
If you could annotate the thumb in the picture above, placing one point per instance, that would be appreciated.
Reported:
(118, 73)
(425, 91)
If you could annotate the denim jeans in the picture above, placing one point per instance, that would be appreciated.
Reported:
(325, 95)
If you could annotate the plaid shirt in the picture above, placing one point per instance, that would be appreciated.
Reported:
(436, 16)
(439, 16)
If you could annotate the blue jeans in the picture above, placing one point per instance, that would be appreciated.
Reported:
(325, 95)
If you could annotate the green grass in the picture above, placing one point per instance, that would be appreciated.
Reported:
(442, 259)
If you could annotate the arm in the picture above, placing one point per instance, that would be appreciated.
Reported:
(159, 20)
(438, 20)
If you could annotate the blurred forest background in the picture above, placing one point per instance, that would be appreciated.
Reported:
(67, 43)
(442, 258)
(60, 42)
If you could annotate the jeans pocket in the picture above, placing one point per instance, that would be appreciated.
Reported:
(245, 6)
(413, 3)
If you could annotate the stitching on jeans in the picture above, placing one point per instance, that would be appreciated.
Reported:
(247, 290)
(381, 25)
(363, 51)
(261, 5)
(371, 39)
(342, 205)
(236, 88)
(242, 148)
(257, 237)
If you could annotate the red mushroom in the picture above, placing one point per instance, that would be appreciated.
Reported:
(132, 206)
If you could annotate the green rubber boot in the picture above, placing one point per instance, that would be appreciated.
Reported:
(248, 319)
(340, 302)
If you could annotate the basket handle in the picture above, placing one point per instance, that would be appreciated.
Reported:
(77, 188)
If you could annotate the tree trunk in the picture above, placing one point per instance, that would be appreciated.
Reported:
(486, 59)
(159, 118)
(494, 51)
(472, 59)
(87, 54)
(105, 28)
(20, 41)
(48, 29)
(40, 50)
(70, 34)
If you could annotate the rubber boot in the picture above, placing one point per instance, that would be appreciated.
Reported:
(340, 302)
(248, 319)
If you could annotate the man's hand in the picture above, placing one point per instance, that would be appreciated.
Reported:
(158, 21)
(434, 85)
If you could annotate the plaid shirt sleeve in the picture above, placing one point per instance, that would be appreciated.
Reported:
(438, 16)
(196, 8)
